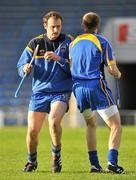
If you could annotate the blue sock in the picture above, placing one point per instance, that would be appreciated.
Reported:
(56, 150)
(32, 158)
(113, 156)
(93, 158)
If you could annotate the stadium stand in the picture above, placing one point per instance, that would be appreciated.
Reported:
(22, 20)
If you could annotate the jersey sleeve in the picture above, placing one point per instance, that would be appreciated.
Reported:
(107, 54)
(25, 57)
(64, 61)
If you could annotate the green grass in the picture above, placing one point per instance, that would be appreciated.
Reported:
(13, 155)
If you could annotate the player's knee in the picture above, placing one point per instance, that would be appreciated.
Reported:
(91, 123)
(116, 127)
(120, 129)
(33, 133)
(88, 114)
(54, 124)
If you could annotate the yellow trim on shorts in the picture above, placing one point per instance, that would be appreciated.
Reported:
(103, 86)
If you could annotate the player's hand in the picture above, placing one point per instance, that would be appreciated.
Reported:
(50, 55)
(27, 68)
(118, 76)
(113, 70)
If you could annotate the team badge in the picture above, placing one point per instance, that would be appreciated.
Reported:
(63, 48)
(41, 52)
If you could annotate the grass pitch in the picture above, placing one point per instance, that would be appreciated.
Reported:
(13, 155)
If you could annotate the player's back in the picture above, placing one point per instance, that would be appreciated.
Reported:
(86, 53)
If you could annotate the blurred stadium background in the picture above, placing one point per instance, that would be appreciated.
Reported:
(21, 20)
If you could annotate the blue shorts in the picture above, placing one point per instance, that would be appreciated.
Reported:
(41, 102)
(93, 94)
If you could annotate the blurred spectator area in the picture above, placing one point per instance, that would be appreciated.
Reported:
(21, 20)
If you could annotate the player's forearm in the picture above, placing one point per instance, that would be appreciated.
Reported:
(114, 71)
(65, 65)
(21, 71)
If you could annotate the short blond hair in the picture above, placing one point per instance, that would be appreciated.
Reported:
(90, 21)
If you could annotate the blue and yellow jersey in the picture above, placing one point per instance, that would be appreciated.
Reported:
(48, 76)
(87, 53)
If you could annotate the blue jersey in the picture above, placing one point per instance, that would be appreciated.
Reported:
(87, 53)
(53, 76)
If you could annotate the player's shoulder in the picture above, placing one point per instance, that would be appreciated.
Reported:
(75, 40)
(70, 36)
(36, 40)
(103, 41)
(102, 38)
